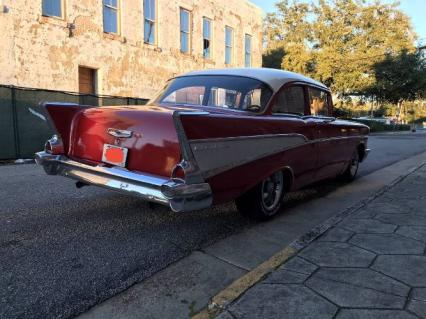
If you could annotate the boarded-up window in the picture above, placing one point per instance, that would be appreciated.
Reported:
(86, 80)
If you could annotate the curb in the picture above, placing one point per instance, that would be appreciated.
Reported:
(231, 293)
(17, 162)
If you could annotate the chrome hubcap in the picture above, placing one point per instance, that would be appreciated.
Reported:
(354, 165)
(272, 188)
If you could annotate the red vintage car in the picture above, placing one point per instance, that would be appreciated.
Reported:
(209, 137)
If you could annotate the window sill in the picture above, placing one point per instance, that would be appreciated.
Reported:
(58, 21)
(152, 46)
(114, 36)
(209, 61)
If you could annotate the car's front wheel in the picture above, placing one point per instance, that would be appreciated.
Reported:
(350, 173)
(265, 199)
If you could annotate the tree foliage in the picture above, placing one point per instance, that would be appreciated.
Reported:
(399, 78)
(337, 42)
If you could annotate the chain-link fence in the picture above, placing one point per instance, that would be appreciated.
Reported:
(23, 130)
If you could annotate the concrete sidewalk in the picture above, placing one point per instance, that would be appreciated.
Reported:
(372, 264)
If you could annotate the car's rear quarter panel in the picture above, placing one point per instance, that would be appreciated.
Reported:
(233, 182)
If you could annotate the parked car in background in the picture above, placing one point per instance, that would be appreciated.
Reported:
(209, 137)
(384, 120)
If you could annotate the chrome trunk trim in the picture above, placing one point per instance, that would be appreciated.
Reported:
(119, 133)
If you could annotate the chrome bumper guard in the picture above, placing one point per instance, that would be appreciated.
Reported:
(366, 152)
(176, 193)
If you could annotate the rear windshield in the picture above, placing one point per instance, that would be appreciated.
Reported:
(232, 92)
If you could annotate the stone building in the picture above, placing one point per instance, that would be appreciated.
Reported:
(123, 47)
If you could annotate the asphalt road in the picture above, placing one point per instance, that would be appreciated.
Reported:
(63, 250)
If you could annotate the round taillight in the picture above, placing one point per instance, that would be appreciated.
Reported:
(54, 145)
(48, 147)
(179, 170)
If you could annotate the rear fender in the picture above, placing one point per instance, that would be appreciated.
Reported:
(60, 118)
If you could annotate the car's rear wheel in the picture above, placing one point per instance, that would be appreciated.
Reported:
(265, 199)
(350, 173)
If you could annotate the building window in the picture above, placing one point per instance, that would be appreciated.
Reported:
(247, 50)
(184, 30)
(52, 8)
(110, 8)
(149, 25)
(229, 35)
(207, 36)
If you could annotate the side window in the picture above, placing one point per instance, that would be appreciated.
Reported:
(291, 100)
(226, 98)
(188, 95)
(318, 101)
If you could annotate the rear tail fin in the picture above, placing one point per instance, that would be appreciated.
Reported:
(61, 116)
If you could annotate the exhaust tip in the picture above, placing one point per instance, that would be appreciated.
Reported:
(80, 184)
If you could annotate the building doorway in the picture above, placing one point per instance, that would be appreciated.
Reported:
(87, 85)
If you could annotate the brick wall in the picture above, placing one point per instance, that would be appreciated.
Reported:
(40, 52)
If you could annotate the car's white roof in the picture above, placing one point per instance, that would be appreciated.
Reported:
(273, 77)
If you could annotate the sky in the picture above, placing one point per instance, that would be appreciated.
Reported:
(416, 9)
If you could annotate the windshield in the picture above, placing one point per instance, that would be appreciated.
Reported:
(232, 92)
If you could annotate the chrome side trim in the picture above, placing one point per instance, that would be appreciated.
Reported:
(175, 193)
(188, 163)
(217, 155)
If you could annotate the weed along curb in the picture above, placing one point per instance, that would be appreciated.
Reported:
(224, 298)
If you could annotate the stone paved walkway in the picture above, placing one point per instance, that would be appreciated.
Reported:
(372, 265)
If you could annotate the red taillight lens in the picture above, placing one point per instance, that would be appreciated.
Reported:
(54, 145)
(178, 172)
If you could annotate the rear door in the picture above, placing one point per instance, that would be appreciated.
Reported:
(291, 101)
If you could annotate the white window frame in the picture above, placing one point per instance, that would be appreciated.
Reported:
(118, 11)
(188, 32)
(230, 46)
(247, 53)
(62, 16)
(150, 20)
(209, 39)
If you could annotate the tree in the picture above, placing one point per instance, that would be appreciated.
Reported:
(338, 41)
(273, 58)
(399, 79)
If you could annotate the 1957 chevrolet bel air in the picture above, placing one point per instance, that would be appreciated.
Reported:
(248, 135)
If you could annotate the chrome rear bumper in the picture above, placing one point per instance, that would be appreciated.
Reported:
(176, 193)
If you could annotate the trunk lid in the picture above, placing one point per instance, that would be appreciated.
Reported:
(153, 146)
